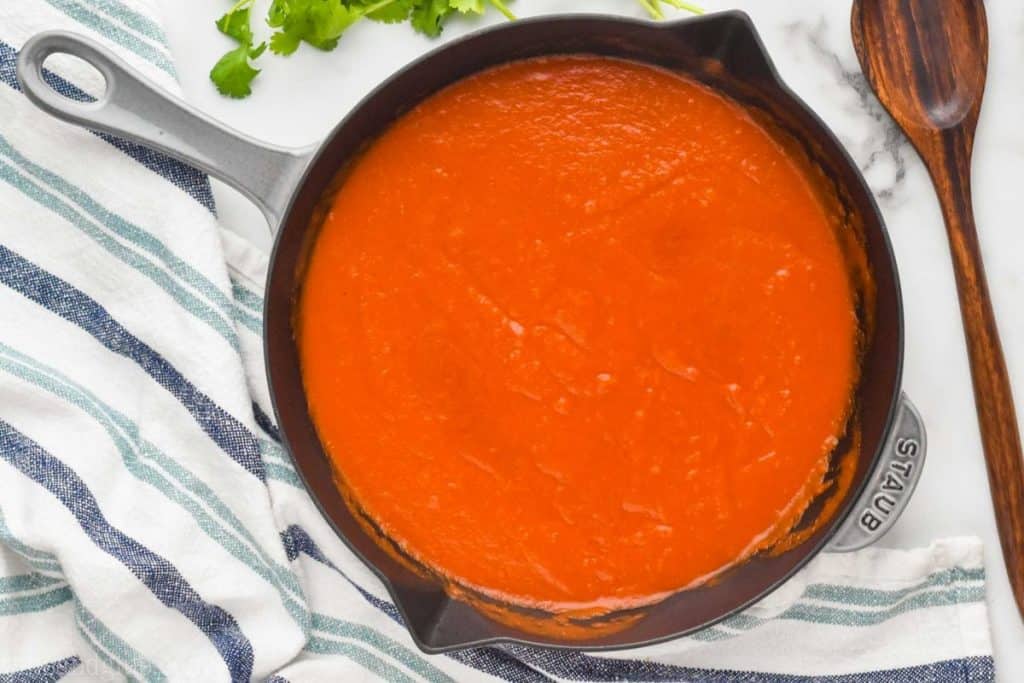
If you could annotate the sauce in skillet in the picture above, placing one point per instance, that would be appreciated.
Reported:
(578, 333)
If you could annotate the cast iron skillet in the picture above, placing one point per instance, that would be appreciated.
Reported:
(722, 50)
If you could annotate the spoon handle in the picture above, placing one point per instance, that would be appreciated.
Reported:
(992, 395)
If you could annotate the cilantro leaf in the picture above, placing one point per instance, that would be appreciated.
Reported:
(428, 16)
(284, 43)
(392, 12)
(235, 23)
(328, 20)
(480, 6)
(468, 6)
(233, 73)
(277, 13)
(317, 22)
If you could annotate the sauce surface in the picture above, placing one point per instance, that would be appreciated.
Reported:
(577, 333)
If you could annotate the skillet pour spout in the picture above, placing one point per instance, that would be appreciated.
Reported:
(720, 50)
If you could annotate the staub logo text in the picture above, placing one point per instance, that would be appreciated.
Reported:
(892, 485)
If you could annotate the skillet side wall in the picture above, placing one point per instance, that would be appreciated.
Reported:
(721, 50)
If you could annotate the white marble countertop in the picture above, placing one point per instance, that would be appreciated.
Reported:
(298, 100)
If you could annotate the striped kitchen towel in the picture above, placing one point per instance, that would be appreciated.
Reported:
(152, 528)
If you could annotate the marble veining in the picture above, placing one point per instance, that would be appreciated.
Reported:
(886, 144)
(881, 154)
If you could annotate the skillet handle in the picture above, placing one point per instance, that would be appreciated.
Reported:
(133, 107)
(889, 491)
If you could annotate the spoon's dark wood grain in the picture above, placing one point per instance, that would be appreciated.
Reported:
(926, 60)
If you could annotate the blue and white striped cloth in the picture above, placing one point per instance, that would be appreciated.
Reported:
(151, 528)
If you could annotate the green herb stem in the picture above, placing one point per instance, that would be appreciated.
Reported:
(500, 6)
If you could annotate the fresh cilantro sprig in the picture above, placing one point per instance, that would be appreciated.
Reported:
(321, 23)
(233, 73)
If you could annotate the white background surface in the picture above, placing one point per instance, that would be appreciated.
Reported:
(298, 100)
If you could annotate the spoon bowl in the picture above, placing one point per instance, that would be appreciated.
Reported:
(936, 55)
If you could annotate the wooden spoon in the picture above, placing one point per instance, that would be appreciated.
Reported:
(926, 60)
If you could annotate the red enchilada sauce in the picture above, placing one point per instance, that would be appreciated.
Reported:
(578, 333)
